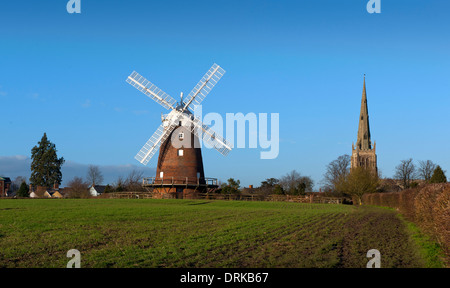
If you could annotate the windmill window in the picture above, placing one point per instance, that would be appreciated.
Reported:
(180, 152)
(180, 123)
(161, 174)
(181, 136)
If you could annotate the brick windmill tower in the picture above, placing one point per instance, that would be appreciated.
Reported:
(180, 172)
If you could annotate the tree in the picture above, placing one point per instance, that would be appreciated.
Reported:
(295, 184)
(232, 186)
(336, 171)
(277, 189)
(405, 171)
(426, 169)
(268, 186)
(358, 182)
(108, 189)
(133, 182)
(119, 186)
(300, 189)
(78, 188)
(94, 175)
(269, 183)
(45, 165)
(438, 176)
(15, 186)
(23, 190)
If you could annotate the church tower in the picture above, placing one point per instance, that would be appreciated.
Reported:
(364, 154)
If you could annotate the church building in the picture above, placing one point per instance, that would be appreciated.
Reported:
(364, 154)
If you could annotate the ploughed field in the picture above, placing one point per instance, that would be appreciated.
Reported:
(200, 233)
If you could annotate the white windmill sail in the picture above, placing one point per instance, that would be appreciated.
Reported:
(204, 86)
(196, 96)
(151, 90)
(153, 144)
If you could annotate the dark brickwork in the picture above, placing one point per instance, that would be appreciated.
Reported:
(179, 169)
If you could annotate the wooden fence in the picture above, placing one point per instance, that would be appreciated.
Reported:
(248, 197)
(128, 195)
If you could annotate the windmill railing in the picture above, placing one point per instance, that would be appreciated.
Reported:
(179, 181)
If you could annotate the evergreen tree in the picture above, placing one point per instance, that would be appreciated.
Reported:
(232, 187)
(23, 190)
(45, 165)
(438, 176)
(108, 189)
(278, 189)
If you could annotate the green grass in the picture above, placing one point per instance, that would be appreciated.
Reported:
(199, 233)
(430, 251)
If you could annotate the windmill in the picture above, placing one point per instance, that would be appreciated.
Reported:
(180, 172)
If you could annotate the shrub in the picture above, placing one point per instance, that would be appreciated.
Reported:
(427, 206)
(441, 210)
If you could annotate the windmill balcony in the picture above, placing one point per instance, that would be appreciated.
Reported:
(151, 181)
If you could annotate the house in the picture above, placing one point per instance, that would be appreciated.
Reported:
(56, 194)
(5, 186)
(97, 190)
(52, 194)
(46, 192)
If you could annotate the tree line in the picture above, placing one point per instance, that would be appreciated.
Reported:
(338, 179)
(46, 172)
(292, 183)
(79, 188)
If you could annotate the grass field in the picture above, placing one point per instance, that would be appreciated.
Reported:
(199, 233)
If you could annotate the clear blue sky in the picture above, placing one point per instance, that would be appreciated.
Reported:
(64, 74)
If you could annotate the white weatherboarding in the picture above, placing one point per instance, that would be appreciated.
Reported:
(180, 113)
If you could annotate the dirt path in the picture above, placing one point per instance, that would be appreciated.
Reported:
(380, 229)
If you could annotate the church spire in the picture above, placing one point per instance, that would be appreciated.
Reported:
(363, 141)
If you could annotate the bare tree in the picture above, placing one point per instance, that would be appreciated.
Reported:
(426, 169)
(406, 171)
(134, 181)
(294, 183)
(78, 188)
(119, 185)
(337, 170)
(94, 175)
